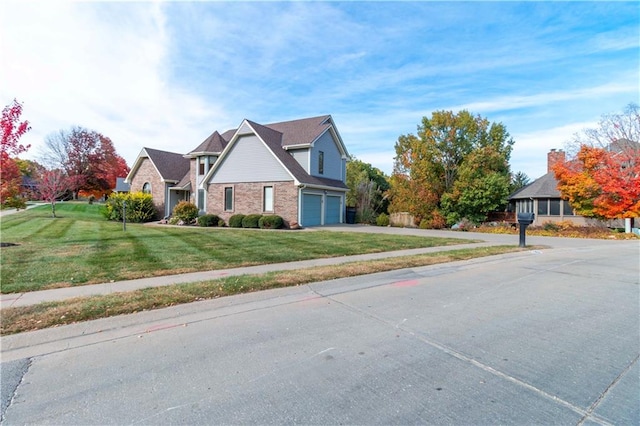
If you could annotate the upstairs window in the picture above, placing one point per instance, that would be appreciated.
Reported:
(321, 162)
(146, 188)
(201, 170)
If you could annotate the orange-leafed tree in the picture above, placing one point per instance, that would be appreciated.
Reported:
(10, 147)
(603, 179)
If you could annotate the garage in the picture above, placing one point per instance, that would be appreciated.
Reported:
(332, 214)
(311, 210)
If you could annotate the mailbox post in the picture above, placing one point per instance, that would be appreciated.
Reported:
(524, 220)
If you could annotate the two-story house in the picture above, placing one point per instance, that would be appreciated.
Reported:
(294, 169)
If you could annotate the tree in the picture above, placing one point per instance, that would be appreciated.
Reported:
(482, 186)
(518, 180)
(88, 158)
(52, 185)
(602, 180)
(10, 147)
(367, 187)
(428, 167)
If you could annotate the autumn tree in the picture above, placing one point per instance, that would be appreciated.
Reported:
(367, 187)
(52, 185)
(438, 164)
(10, 147)
(88, 158)
(602, 180)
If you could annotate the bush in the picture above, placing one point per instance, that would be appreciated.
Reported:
(209, 220)
(235, 221)
(270, 222)
(185, 211)
(139, 207)
(251, 221)
(382, 219)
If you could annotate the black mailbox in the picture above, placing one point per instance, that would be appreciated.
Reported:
(524, 220)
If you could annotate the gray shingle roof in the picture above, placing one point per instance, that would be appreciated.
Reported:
(171, 166)
(273, 139)
(544, 187)
(213, 144)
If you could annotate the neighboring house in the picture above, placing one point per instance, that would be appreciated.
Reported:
(543, 198)
(294, 169)
(121, 185)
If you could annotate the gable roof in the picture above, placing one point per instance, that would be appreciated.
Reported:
(544, 187)
(214, 144)
(274, 141)
(171, 167)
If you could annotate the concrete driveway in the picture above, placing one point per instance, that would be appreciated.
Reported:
(544, 337)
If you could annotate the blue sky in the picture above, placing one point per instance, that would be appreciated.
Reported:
(167, 74)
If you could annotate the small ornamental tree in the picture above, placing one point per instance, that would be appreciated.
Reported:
(12, 130)
(52, 185)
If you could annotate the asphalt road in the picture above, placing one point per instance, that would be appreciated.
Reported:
(545, 337)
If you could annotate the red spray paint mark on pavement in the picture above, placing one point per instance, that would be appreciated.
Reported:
(409, 283)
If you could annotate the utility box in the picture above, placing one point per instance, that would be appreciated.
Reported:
(524, 220)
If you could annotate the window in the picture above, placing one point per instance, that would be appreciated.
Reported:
(267, 199)
(146, 188)
(201, 198)
(554, 207)
(228, 199)
(543, 206)
(321, 162)
(567, 210)
(201, 170)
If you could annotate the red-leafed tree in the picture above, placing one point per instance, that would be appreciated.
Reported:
(52, 185)
(603, 179)
(10, 147)
(88, 158)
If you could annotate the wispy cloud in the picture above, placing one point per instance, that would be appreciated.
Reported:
(166, 74)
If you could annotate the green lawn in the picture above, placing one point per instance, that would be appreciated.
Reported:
(81, 247)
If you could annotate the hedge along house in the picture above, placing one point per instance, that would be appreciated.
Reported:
(294, 169)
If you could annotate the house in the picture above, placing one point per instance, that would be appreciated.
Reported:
(543, 198)
(121, 185)
(294, 169)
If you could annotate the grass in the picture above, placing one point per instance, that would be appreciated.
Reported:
(51, 314)
(80, 247)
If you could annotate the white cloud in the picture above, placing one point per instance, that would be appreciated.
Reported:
(530, 151)
(100, 73)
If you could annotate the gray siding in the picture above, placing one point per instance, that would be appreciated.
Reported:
(333, 163)
(250, 157)
(302, 157)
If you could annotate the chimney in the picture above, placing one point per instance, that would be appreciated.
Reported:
(554, 156)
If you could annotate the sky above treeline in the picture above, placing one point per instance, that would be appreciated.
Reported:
(165, 75)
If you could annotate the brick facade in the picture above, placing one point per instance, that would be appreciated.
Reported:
(147, 173)
(248, 199)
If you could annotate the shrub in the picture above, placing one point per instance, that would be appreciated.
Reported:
(185, 211)
(139, 207)
(209, 220)
(251, 221)
(235, 221)
(270, 222)
(382, 219)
